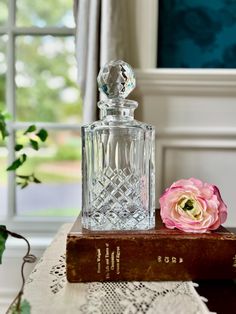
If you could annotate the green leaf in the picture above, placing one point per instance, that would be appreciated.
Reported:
(24, 185)
(23, 157)
(30, 129)
(18, 147)
(6, 115)
(22, 177)
(3, 239)
(24, 308)
(36, 180)
(17, 163)
(24, 180)
(34, 144)
(42, 134)
(3, 126)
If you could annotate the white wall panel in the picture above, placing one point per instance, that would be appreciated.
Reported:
(194, 112)
(213, 165)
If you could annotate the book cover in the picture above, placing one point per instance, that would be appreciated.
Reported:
(151, 255)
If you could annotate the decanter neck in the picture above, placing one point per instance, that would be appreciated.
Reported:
(117, 109)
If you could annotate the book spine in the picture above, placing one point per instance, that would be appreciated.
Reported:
(149, 259)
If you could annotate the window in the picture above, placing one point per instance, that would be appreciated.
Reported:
(38, 86)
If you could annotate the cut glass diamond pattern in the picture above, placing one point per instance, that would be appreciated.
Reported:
(124, 213)
(118, 199)
(139, 216)
(117, 180)
(124, 188)
(112, 217)
(98, 188)
(99, 216)
(109, 173)
(118, 195)
(110, 188)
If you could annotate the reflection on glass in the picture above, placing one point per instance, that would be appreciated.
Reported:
(3, 180)
(46, 79)
(3, 69)
(44, 13)
(3, 12)
(57, 165)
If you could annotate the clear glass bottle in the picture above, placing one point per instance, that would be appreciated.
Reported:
(118, 159)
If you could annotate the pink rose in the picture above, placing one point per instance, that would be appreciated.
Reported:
(192, 206)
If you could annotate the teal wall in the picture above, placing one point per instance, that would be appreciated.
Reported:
(197, 34)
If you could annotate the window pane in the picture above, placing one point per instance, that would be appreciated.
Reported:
(3, 180)
(3, 69)
(3, 12)
(46, 79)
(45, 13)
(57, 165)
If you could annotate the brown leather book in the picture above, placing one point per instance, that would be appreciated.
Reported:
(153, 255)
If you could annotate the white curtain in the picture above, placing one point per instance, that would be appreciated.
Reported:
(102, 34)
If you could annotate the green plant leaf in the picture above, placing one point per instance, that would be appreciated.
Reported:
(23, 158)
(18, 147)
(34, 144)
(3, 239)
(6, 115)
(22, 177)
(30, 129)
(3, 126)
(25, 180)
(24, 308)
(42, 134)
(24, 185)
(17, 163)
(35, 180)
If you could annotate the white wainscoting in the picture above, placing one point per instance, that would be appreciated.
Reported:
(194, 112)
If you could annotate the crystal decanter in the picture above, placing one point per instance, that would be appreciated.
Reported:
(118, 159)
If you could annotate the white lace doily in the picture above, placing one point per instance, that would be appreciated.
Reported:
(48, 291)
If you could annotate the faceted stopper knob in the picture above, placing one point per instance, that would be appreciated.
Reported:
(116, 79)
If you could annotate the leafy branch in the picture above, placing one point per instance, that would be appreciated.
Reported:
(24, 181)
(33, 138)
(17, 306)
(3, 125)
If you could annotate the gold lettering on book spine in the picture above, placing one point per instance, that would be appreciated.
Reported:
(107, 261)
(110, 260)
(234, 262)
(98, 261)
(117, 260)
(169, 259)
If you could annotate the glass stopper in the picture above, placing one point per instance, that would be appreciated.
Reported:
(116, 79)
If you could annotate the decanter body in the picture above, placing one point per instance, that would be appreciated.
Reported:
(118, 159)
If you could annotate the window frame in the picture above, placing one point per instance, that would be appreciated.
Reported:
(28, 224)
